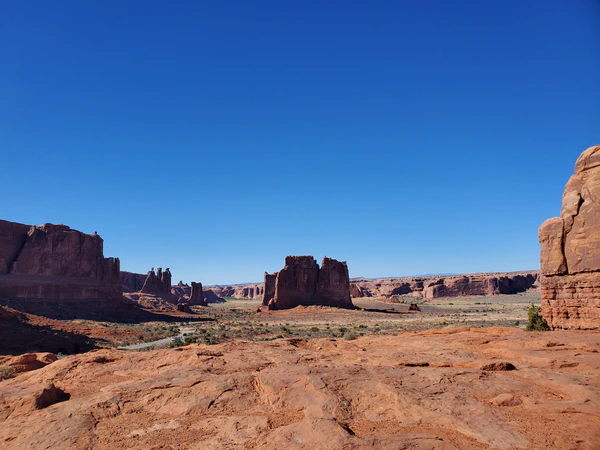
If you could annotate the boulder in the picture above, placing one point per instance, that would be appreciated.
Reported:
(302, 282)
(570, 251)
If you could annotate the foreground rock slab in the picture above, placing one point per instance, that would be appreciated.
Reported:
(441, 389)
(570, 251)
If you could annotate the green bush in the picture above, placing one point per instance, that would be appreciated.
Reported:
(535, 320)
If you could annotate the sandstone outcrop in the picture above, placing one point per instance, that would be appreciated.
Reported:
(302, 282)
(570, 251)
(28, 361)
(54, 262)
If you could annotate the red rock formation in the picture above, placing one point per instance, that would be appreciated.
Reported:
(184, 293)
(55, 262)
(357, 291)
(251, 291)
(151, 285)
(269, 289)
(570, 251)
(165, 280)
(196, 296)
(184, 307)
(301, 282)
(158, 283)
(451, 286)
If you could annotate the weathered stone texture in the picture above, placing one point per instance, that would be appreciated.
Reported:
(302, 282)
(572, 301)
(570, 251)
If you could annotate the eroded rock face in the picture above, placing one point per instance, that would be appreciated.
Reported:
(302, 282)
(570, 251)
(55, 262)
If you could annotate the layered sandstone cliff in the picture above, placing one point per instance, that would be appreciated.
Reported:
(54, 262)
(302, 282)
(447, 286)
(570, 251)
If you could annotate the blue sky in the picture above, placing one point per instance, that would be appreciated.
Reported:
(217, 137)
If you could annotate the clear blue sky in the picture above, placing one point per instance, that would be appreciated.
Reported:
(217, 137)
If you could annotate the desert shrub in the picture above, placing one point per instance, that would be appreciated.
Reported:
(176, 343)
(350, 335)
(6, 372)
(535, 320)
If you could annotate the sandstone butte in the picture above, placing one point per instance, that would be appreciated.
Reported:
(570, 251)
(54, 262)
(441, 389)
(302, 283)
